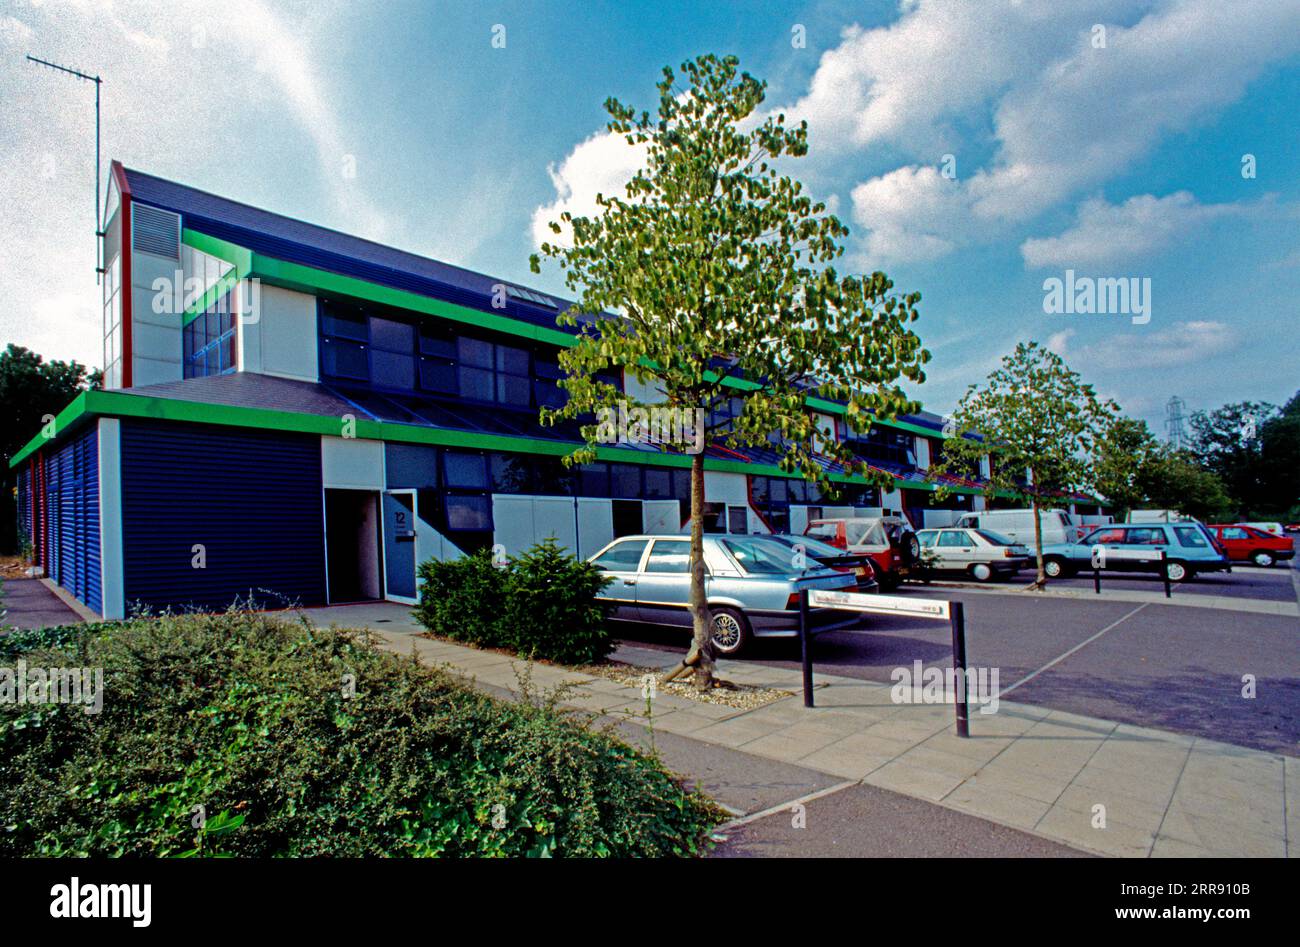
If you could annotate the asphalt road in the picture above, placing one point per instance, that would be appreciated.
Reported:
(1157, 665)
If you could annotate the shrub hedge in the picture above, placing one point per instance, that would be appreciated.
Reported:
(302, 741)
(541, 604)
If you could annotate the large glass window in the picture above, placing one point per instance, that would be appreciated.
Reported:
(392, 353)
(209, 340)
(113, 324)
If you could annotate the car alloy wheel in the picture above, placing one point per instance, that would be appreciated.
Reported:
(729, 631)
(981, 572)
(1053, 568)
(1264, 559)
(1176, 571)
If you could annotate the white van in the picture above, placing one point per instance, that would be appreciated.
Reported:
(1018, 525)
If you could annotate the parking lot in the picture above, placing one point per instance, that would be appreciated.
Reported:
(1146, 662)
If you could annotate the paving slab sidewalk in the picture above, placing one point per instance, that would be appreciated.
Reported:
(1107, 788)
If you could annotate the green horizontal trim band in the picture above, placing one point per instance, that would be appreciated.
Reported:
(240, 259)
(116, 404)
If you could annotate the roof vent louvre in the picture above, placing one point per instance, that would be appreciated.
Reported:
(156, 231)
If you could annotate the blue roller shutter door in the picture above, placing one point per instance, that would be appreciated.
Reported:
(72, 504)
(251, 499)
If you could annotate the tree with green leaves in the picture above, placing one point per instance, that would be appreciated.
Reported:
(712, 281)
(1173, 480)
(1229, 442)
(1121, 459)
(1132, 469)
(1039, 424)
(31, 389)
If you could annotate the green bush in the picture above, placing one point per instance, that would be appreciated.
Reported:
(461, 599)
(542, 604)
(298, 741)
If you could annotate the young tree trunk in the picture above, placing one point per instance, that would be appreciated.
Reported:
(1041, 579)
(700, 658)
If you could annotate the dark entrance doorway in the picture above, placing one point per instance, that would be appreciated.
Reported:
(352, 537)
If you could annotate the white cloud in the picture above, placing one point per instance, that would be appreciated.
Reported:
(1142, 225)
(910, 213)
(903, 83)
(1181, 344)
(602, 164)
(1060, 128)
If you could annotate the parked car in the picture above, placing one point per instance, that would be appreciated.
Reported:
(1018, 525)
(888, 540)
(1243, 542)
(1189, 548)
(1275, 528)
(979, 553)
(860, 566)
(1292, 527)
(752, 583)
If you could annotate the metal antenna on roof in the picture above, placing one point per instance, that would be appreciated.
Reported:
(99, 234)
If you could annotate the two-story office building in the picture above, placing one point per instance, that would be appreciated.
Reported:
(297, 415)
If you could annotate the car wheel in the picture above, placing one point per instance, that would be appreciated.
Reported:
(911, 549)
(730, 630)
(1055, 568)
(981, 572)
(1176, 571)
(1262, 558)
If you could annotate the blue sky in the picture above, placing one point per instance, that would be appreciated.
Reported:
(1102, 136)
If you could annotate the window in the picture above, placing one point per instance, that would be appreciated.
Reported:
(765, 557)
(392, 351)
(467, 471)
(1232, 532)
(468, 512)
(1105, 536)
(113, 324)
(1147, 536)
(208, 340)
(926, 537)
(954, 539)
(737, 520)
(1191, 536)
(621, 557)
(881, 444)
(669, 556)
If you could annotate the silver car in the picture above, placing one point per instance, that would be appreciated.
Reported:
(752, 584)
(979, 553)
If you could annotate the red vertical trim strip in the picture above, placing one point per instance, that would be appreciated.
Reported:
(124, 187)
(125, 291)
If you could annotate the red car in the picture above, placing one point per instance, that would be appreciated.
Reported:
(1244, 543)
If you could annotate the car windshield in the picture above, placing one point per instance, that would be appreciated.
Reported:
(874, 535)
(997, 539)
(764, 556)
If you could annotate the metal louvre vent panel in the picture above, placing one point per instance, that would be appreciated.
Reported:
(156, 231)
(72, 505)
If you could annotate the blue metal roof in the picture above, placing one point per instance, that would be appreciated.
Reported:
(285, 238)
(296, 241)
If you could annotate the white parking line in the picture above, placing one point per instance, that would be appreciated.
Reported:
(784, 807)
(1057, 660)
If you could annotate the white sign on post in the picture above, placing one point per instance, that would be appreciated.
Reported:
(885, 604)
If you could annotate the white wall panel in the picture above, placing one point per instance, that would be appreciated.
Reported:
(595, 525)
(349, 463)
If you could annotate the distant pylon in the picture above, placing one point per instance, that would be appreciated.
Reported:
(1174, 431)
